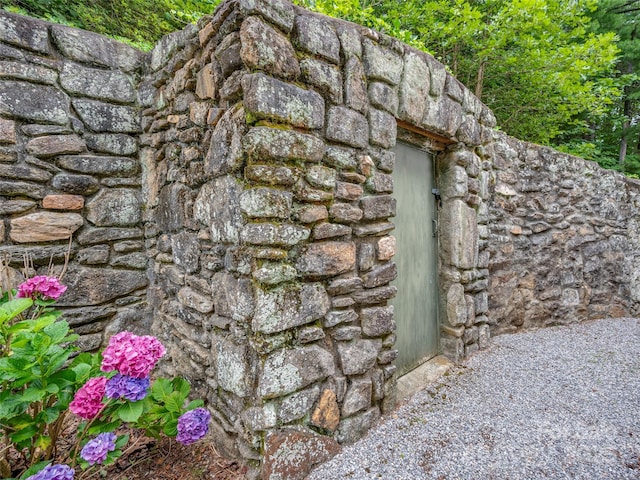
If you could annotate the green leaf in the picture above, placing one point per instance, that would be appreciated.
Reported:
(130, 411)
(122, 441)
(195, 404)
(57, 331)
(170, 428)
(24, 435)
(174, 402)
(161, 389)
(32, 394)
(13, 308)
(182, 386)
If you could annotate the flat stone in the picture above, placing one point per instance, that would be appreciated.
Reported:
(375, 295)
(263, 144)
(366, 256)
(381, 63)
(41, 256)
(298, 404)
(95, 286)
(24, 172)
(343, 286)
(11, 207)
(232, 297)
(24, 32)
(264, 48)
(336, 317)
(289, 306)
(112, 166)
(192, 299)
(91, 48)
(119, 207)
(341, 158)
(386, 248)
(31, 102)
(13, 188)
(167, 46)
(105, 117)
(345, 213)
(327, 413)
(321, 177)
(225, 152)
(348, 191)
(273, 234)
(135, 261)
(358, 396)
(354, 428)
(272, 99)
(7, 131)
(291, 454)
(310, 334)
(75, 184)
(442, 116)
(269, 174)
(63, 202)
(266, 203)
(185, 248)
(384, 97)
(346, 333)
(39, 130)
(97, 83)
(358, 356)
(456, 306)
(377, 321)
(22, 71)
(460, 245)
(232, 367)
(383, 128)
(380, 183)
(324, 76)
(312, 214)
(278, 12)
(378, 207)
(98, 255)
(414, 88)
(104, 235)
(330, 230)
(273, 273)
(317, 36)
(53, 145)
(327, 259)
(227, 54)
(307, 194)
(347, 126)
(355, 86)
(44, 227)
(288, 370)
(113, 143)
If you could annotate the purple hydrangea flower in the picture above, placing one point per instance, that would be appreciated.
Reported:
(54, 472)
(131, 388)
(193, 425)
(95, 451)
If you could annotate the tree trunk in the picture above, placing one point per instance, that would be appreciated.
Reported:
(480, 79)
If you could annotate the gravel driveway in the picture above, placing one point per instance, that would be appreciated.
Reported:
(560, 403)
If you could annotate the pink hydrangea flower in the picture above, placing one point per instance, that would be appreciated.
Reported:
(132, 355)
(49, 288)
(87, 401)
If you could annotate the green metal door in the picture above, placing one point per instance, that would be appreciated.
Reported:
(416, 305)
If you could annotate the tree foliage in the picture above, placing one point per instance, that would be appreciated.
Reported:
(557, 72)
(140, 22)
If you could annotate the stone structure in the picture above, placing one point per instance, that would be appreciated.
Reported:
(232, 192)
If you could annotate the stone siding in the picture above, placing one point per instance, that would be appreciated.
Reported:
(232, 193)
(69, 172)
(564, 239)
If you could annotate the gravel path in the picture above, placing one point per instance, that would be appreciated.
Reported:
(559, 403)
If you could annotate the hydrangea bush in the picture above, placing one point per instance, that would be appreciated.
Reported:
(40, 384)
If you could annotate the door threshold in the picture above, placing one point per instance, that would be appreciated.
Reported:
(421, 377)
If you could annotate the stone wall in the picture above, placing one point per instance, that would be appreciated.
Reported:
(564, 241)
(69, 168)
(232, 193)
(267, 152)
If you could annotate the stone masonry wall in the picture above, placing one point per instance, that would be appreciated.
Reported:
(564, 239)
(69, 173)
(232, 193)
(267, 152)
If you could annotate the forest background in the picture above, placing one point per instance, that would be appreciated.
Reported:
(564, 73)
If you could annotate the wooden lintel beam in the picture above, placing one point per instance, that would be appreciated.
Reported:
(424, 133)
